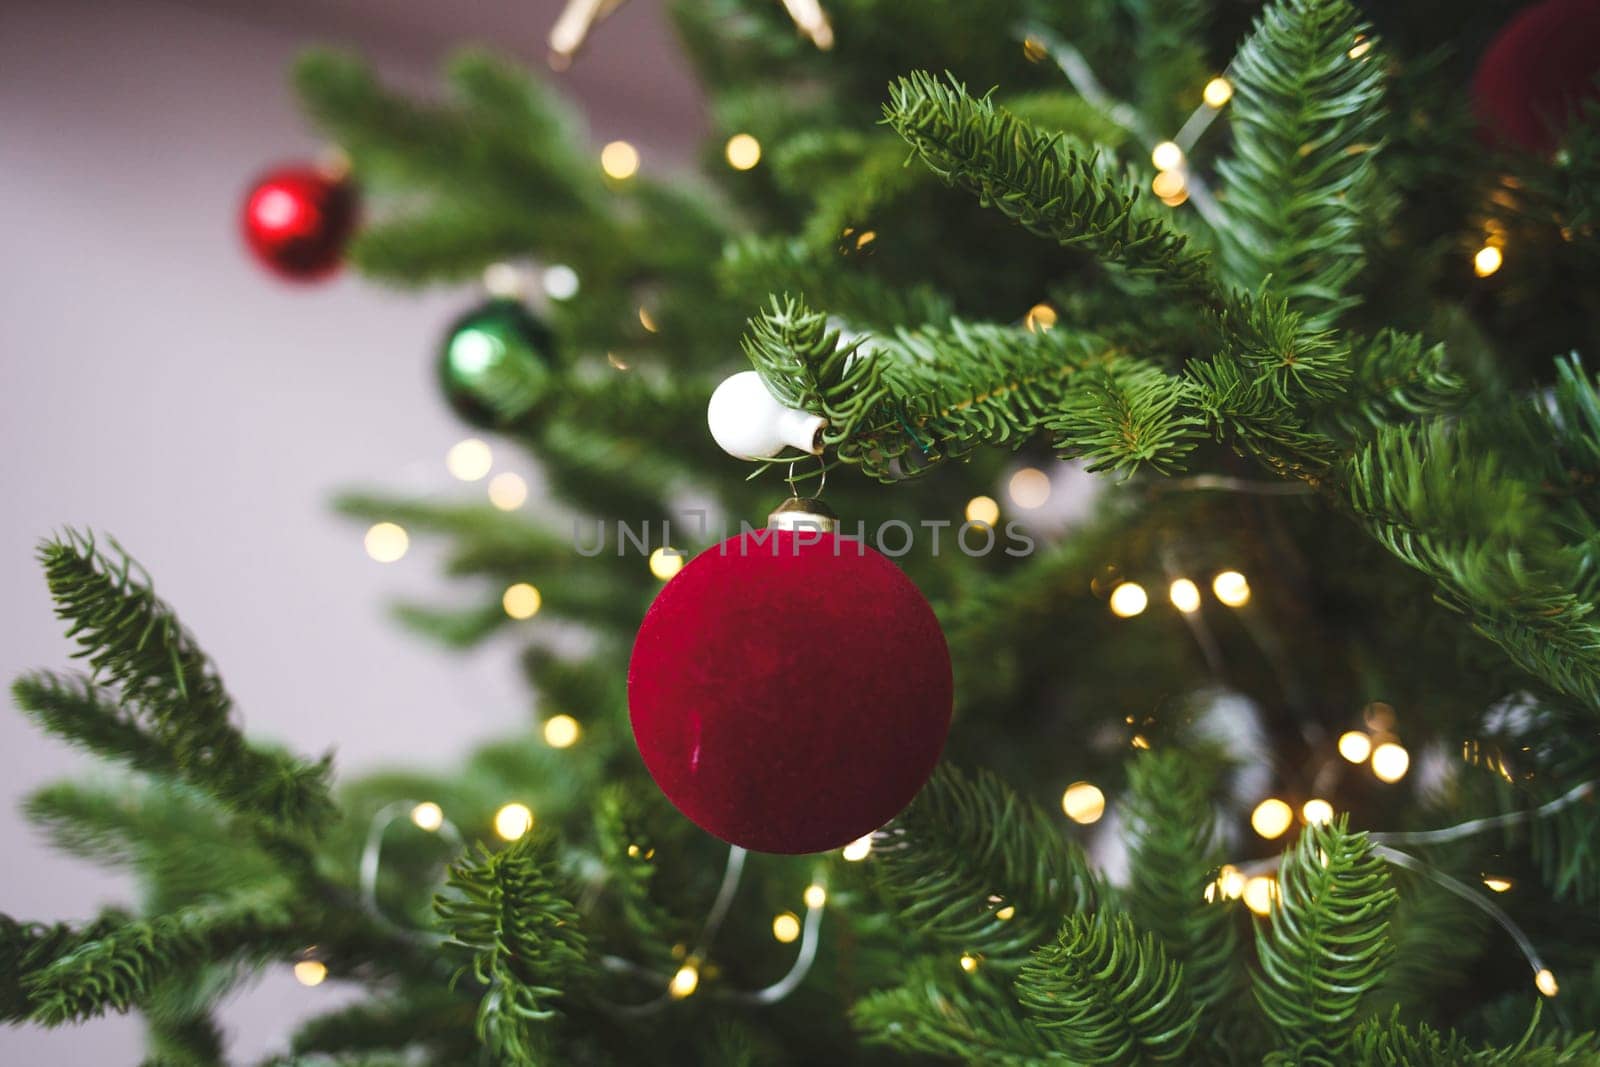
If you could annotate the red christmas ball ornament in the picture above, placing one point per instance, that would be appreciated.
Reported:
(790, 689)
(1537, 71)
(298, 220)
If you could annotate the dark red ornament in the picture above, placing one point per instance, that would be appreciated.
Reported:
(1537, 71)
(790, 690)
(298, 220)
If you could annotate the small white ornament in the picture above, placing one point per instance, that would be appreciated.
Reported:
(748, 422)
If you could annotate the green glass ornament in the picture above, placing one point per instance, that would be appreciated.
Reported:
(496, 363)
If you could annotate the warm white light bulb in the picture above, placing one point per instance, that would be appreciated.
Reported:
(561, 731)
(666, 562)
(984, 510)
(1316, 811)
(1355, 746)
(469, 460)
(1231, 588)
(1083, 802)
(685, 982)
(1218, 91)
(619, 160)
(857, 850)
(1185, 595)
(1546, 981)
(1128, 600)
(785, 927)
(743, 151)
(507, 491)
(428, 816)
(310, 972)
(1487, 260)
(386, 542)
(1271, 818)
(1167, 156)
(521, 601)
(513, 820)
(1029, 488)
(1259, 893)
(1390, 761)
(815, 896)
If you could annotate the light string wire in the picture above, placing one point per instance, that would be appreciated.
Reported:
(1072, 63)
(732, 875)
(1382, 842)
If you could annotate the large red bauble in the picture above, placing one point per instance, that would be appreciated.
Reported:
(790, 691)
(297, 221)
(1537, 71)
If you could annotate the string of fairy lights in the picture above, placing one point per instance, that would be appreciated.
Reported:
(1174, 183)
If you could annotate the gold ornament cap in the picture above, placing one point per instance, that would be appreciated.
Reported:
(803, 513)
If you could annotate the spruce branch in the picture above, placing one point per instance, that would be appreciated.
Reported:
(1300, 186)
(1105, 994)
(898, 404)
(1450, 508)
(26, 948)
(122, 965)
(175, 716)
(1125, 415)
(506, 909)
(1386, 1041)
(973, 866)
(1394, 377)
(1051, 187)
(1173, 858)
(941, 1011)
(1325, 945)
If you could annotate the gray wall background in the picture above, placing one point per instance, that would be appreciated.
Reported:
(156, 385)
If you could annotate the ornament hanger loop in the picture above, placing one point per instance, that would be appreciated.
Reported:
(794, 490)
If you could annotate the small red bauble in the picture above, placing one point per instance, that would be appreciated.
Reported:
(297, 221)
(790, 690)
(1536, 72)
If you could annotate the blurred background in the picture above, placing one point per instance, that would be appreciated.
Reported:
(157, 385)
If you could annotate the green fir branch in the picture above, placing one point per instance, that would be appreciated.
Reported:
(1125, 415)
(121, 966)
(527, 948)
(175, 715)
(1450, 508)
(1173, 859)
(1051, 187)
(1395, 377)
(1107, 995)
(972, 866)
(943, 1011)
(1300, 185)
(1325, 945)
(898, 404)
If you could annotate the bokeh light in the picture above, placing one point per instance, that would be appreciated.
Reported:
(561, 731)
(521, 601)
(1390, 761)
(1029, 488)
(1271, 818)
(1185, 595)
(507, 491)
(620, 160)
(743, 151)
(1128, 600)
(513, 820)
(469, 460)
(428, 816)
(386, 542)
(1083, 802)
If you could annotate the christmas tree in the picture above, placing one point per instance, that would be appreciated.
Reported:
(1284, 750)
